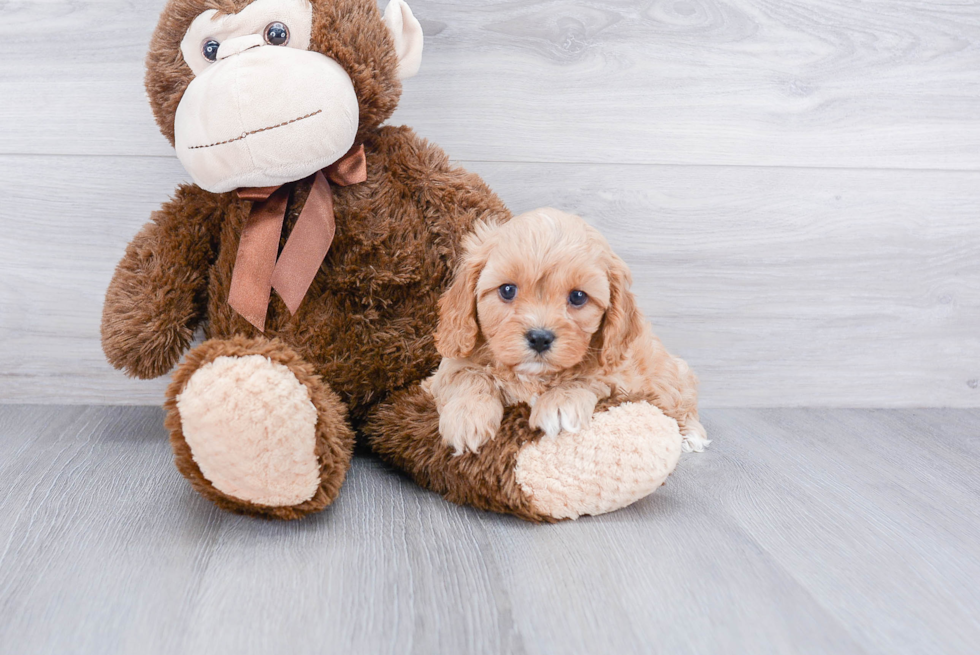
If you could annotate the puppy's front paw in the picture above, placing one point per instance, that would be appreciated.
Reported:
(695, 436)
(467, 424)
(563, 409)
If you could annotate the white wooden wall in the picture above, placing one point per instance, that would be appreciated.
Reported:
(795, 183)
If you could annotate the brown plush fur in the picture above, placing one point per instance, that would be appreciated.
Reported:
(334, 438)
(366, 325)
(158, 295)
(405, 433)
(366, 322)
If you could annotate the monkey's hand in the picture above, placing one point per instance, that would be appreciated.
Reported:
(158, 293)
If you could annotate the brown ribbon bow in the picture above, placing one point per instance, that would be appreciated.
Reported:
(257, 271)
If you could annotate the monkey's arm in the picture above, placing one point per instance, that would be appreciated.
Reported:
(451, 197)
(158, 294)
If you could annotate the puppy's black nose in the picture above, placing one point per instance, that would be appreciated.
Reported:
(540, 340)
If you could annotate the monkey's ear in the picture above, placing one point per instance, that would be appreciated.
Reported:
(407, 33)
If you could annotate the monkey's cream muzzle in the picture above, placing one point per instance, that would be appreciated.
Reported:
(263, 116)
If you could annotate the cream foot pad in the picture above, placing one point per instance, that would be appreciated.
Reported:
(251, 428)
(626, 454)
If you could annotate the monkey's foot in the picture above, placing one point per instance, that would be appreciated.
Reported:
(624, 455)
(255, 430)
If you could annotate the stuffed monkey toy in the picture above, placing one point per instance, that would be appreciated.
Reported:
(312, 249)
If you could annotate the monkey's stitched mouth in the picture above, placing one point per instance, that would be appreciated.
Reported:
(264, 129)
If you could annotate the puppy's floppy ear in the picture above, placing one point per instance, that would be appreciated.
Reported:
(623, 323)
(458, 329)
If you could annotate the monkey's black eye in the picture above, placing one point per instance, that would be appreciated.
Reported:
(211, 50)
(276, 34)
(578, 298)
(507, 292)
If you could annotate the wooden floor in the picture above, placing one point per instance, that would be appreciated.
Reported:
(831, 531)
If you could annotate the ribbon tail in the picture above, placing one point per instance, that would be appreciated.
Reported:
(307, 246)
(251, 281)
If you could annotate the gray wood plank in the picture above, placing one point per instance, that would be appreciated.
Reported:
(865, 513)
(782, 287)
(96, 532)
(829, 83)
(799, 531)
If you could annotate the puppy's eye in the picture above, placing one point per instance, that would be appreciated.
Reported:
(210, 49)
(276, 34)
(578, 298)
(507, 292)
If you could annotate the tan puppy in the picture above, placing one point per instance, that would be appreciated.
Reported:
(541, 313)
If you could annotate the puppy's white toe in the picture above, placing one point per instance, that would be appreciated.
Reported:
(545, 417)
(694, 442)
(570, 421)
(568, 410)
(550, 424)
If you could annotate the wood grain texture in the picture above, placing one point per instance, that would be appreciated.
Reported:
(760, 165)
(799, 531)
(781, 286)
(829, 83)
